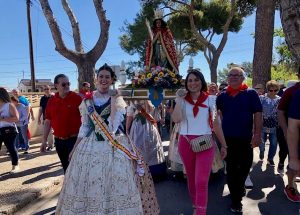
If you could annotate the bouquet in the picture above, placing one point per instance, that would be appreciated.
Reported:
(157, 77)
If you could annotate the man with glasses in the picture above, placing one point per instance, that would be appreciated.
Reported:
(85, 89)
(62, 114)
(290, 190)
(240, 109)
(43, 103)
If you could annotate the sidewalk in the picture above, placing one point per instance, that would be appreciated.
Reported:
(39, 172)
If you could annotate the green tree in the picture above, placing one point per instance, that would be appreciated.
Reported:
(284, 54)
(194, 24)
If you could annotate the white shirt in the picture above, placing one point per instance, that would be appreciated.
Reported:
(4, 112)
(198, 125)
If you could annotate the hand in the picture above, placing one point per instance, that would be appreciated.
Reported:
(223, 152)
(181, 93)
(256, 140)
(43, 147)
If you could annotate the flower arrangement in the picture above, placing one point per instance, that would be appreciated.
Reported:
(157, 77)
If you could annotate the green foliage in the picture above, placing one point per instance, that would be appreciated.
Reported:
(285, 56)
(283, 72)
(278, 72)
(135, 35)
(209, 16)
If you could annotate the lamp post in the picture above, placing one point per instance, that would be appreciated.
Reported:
(191, 64)
(122, 75)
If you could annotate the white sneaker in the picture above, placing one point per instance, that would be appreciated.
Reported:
(15, 169)
(248, 183)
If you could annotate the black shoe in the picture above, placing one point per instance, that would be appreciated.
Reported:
(26, 151)
(261, 156)
(271, 163)
(280, 168)
(236, 208)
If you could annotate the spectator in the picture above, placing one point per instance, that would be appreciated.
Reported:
(142, 128)
(8, 133)
(62, 114)
(240, 109)
(22, 126)
(270, 120)
(196, 112)
(293, 136)
(25, 102)
(283, 107)
(42, 109)
(85, 89)
(223, 86)
(260, 89)
(213, 89)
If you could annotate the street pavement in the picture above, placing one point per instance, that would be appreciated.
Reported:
(42, 172)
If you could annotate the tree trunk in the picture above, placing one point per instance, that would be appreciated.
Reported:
(86, 73)
(263, 47)
(290, 18)
(213, 69)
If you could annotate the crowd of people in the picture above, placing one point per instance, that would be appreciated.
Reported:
(111, 149)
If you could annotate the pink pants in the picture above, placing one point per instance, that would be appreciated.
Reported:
(198, 167)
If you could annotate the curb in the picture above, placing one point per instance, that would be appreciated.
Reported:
(26, 198)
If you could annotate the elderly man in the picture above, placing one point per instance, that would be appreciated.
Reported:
(62, 114)
(239, 106)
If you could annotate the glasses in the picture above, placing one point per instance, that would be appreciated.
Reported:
(273, 90)
(234, 76)
(65, 84)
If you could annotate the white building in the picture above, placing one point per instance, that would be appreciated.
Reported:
(25, 85)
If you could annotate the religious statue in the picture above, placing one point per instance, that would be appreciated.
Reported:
(160, 49)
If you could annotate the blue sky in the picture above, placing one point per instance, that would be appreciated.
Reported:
(14, 56)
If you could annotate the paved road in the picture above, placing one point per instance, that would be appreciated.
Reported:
(265, 198)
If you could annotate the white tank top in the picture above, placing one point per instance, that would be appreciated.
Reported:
(4, 112)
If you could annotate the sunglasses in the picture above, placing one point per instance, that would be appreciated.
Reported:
(65, 84)
(273, 90)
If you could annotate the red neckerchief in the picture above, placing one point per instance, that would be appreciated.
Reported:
(202, 97)
(234, 92)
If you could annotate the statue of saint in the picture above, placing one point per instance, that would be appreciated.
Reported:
(160, 49)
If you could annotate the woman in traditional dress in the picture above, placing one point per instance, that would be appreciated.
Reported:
(106, 175)
(143, 131)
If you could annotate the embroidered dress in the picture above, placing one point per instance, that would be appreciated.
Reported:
(147, 139)
(100, 179)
